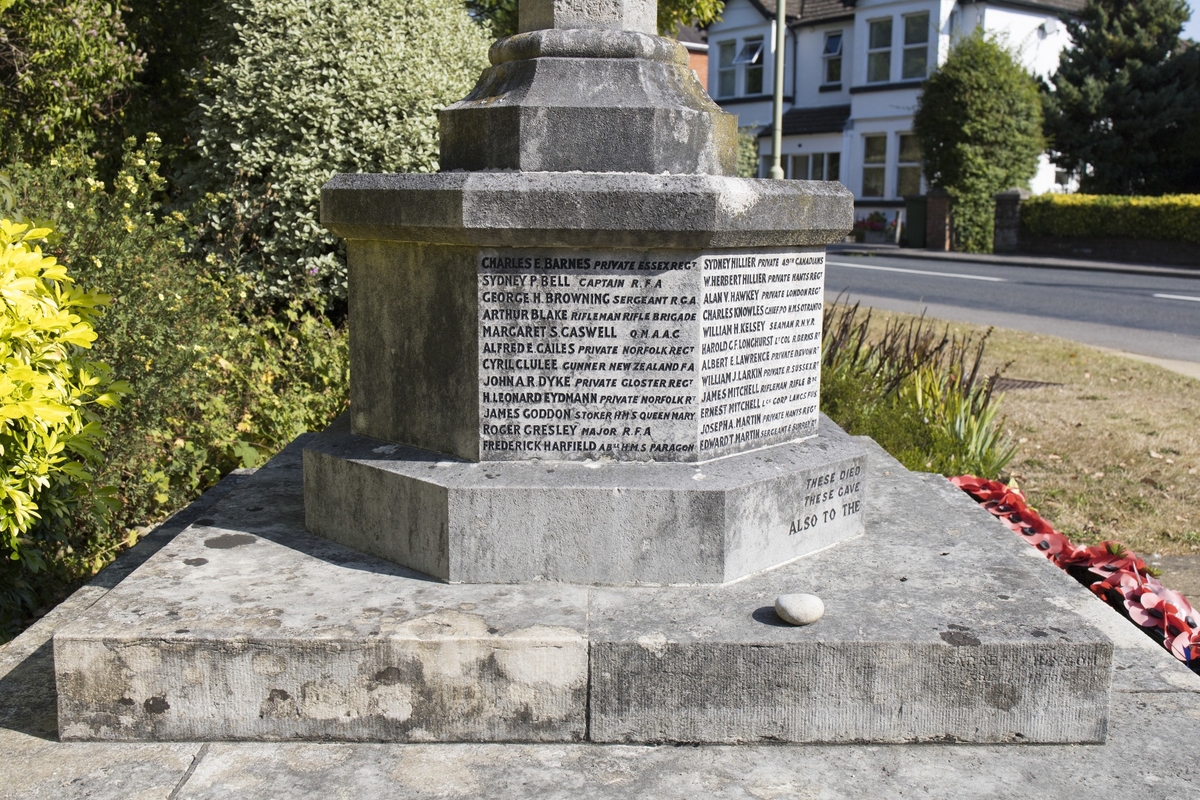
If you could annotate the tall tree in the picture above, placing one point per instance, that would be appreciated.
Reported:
(1122, 113)
(979, 122)
(501, 15)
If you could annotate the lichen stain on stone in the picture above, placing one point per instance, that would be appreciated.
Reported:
(269, 664)
(1002, 696)
(228, 541)
(655, 643)
(445, 624)
(959, 639)
(278, 705)
(156, 705)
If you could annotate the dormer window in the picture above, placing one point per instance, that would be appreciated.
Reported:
(751, 58)
(833, 57)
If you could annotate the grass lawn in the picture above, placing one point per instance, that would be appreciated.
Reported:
(1113, 452)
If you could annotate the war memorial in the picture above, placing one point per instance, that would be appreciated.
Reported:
(582, 460)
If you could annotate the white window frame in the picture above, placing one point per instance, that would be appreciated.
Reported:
(875, 166)
(729, 69)
(914, 47)
(748, 59)
(830, 56)
(885, 51)
(900, 165)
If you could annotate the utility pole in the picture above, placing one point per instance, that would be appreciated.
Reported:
(777, 138)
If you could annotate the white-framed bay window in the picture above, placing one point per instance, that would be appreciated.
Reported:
(750, 59)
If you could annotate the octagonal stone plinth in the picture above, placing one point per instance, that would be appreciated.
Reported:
(507, 317)
(589, 100)
(604, 523)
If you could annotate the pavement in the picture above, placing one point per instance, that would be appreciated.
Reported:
(1154, 725)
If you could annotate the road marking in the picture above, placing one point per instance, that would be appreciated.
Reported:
(923, 272)
(1178, 297)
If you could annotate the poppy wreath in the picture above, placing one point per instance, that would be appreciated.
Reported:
(1115, 574)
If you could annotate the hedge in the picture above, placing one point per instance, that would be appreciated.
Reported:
(1174, 218)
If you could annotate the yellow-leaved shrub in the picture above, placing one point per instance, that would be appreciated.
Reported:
(1169, 218)
(48, 426)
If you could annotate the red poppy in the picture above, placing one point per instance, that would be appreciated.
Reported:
(1124, 579)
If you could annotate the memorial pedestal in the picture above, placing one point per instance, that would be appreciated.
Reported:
(565, 386)
(621, 371)
(940, 625)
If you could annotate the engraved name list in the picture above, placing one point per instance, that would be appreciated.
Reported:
(664, 356)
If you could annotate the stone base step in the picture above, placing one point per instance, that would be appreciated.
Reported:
(940, 625)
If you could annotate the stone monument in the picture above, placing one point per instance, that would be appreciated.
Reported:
(583, 457)
(585, 351)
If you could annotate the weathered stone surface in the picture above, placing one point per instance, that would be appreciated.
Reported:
(607, 210)
(245, 627)
(586, 86)
(937, 627)
(592, 523)
(587, 44)
(589, 114)
(630, 15)
(979, 642)
(1132, 763)
(630, 356)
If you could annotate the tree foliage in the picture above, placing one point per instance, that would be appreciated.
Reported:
(1123, 110)
(979, 122)
(299, 90)
(501, 15)
(215, 382)
(66, 70)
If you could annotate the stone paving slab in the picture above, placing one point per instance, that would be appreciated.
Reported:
(1150, 752)
(247, 627)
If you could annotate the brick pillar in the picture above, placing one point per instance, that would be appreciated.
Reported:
(1008, 220)
(937, 220)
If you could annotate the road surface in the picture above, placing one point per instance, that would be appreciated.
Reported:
(1146, 315)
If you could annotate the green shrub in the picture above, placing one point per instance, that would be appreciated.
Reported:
(48, 425)
(66, 68)
(299, 90)
(747, 156)
(1174, 218)
(916, 392)
(215, 384)
(979, 121)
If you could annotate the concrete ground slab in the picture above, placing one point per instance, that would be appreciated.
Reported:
(1150, 690)
(247, 627)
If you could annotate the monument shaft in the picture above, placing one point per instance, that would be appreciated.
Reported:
(616, 302)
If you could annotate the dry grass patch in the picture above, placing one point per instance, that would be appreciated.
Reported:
(1111, 453)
